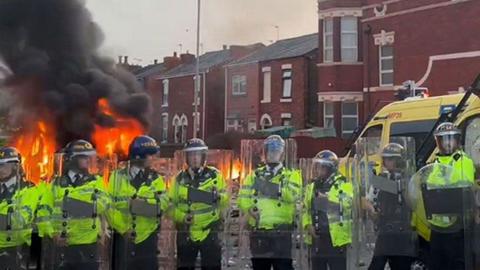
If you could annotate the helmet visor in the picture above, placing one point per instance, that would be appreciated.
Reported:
(322, 169)
(274, 152)
(196, 159)
(449, 143)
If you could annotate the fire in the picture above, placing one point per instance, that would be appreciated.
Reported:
(115, 140)
(37, 146)
(236, 169)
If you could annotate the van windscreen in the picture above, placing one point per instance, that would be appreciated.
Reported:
(416, 129)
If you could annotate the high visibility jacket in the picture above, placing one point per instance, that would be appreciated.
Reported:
(274, 209)
(463, 173)
(152, 190)
(339, 224)
(21, 207)
(77, 231)
(205, 214)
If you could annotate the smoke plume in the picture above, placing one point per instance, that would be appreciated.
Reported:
(50, 47)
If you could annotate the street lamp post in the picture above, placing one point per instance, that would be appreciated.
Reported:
(197, 74)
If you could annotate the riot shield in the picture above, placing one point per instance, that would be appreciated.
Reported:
(455, 218)
(140, 200)
(16, 217)
(382, 208)
(200, 209)
(80, 202)
(270, 206)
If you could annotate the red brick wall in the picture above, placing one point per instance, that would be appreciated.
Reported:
(299, 91)
(247, 106)
(215, 102)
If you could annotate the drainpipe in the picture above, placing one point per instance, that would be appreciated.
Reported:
(368, 34)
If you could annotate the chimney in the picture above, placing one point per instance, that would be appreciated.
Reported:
(155, 61)
(125, 60)
(171, 61)
(225, 47)
(187, 58)
(120, 59)
(237, 51)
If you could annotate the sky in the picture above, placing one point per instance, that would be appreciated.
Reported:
(152, 29)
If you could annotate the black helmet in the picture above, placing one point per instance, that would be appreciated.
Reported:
(142, 146)
(274, 147)
(9, 155)
(195, 146)
(79, 148)
(325, 159)
(448, 137)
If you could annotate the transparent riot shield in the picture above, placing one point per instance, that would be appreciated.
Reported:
(270, 206)
(383, 226)
(15, 217)
(455, 218)
(200, 208)
(80, 233)
(139, 194)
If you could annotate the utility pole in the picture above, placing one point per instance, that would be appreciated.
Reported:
(196, 119)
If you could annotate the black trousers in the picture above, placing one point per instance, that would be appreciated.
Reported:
(325, 263)
(268, 263)
(131, 256)
(79, 257)
(15, 258)
(395, 262)
(447, 251)
(210, 252)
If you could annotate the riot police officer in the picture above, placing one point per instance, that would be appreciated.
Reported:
(323, 196)
(18, 203)
(396, 241)
(447, 241)
(76, 206)
(139, 201)
(198, 197)
(268, 199)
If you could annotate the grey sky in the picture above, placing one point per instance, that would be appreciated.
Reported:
(151, 29)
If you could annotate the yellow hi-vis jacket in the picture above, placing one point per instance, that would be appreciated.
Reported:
(340, 230)
(274, 209)
(153, 191)
(77, 231)
(205, 214)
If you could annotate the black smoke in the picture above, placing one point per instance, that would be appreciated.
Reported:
(51, 48)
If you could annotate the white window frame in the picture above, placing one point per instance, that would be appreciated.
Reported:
(287, 119)
(284, 78)
(236, 126)
(183, 128)
(328, 116)
(252, 125)
(325, 35)
(349, 116)
(237, 82)
(266, 117)
(176, 123)
(165, 91)
(165, 127)
(386, 71)
(267, 85)
(348, 33)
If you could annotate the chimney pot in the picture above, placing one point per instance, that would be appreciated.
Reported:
(120, 59)
(125, 60)
(175, 54)
(155, 61)
(225, 47)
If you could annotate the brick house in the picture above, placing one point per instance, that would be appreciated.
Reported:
(174, 91)
(272, 86)
(368, 48)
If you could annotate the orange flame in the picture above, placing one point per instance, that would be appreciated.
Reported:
(115, 140)
(236, 169)
(37, 146)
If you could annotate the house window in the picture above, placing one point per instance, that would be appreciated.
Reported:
(184, 128)
(267, 86)
(165, 93)
(349, 39)
(239, 85)
(286, 121)
(287, 83)
(386, 65)
(349, 118)
(328, 40)
(234, 125)
(164, 128)
(328, 115)
(266, 121)
(252, 125)
(177, 136)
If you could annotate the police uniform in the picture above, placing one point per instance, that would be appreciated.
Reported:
(198, 197)
(136, 230)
